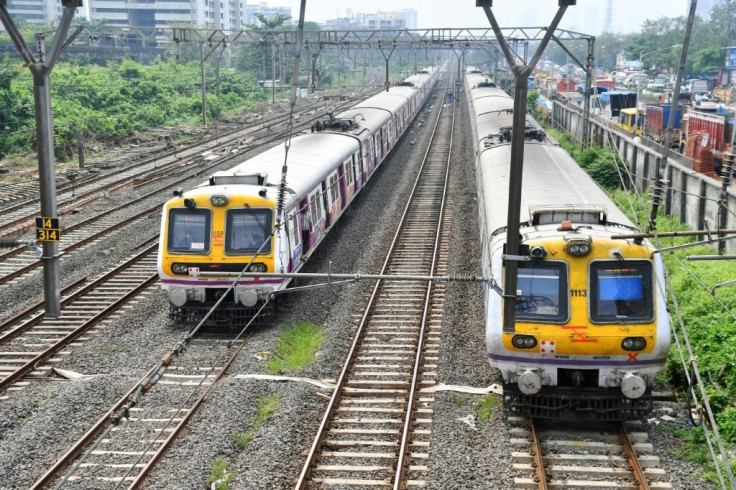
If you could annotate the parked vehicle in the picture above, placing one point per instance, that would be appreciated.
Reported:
(696, 86)
(657, 117)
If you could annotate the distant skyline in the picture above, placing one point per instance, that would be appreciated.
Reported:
(587, 16)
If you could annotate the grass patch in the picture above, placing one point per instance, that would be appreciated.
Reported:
(219, 473)
(484, 408)
(296, 348)
(458, 399)
(45, 401)
(268, 405)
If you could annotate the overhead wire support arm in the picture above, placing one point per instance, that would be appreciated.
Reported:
(521, 74)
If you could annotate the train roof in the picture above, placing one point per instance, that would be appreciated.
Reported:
(375, 111)
(551, 179)
(311, 158)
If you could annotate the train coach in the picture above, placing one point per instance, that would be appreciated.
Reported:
(212, 232)
(591, 327)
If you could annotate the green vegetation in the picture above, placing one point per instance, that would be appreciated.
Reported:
(484, 408)
(219, 474)
(296, 348)
(45, 401)
(599, 162)
(267, 407)
(111, 104)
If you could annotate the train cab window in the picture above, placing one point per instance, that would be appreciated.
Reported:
(621, 292)
(189, 231)
(247, 229)
(542, 292)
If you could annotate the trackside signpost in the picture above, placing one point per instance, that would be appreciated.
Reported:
(47, 229)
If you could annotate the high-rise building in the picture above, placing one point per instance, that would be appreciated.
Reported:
(403, 19)
(266, 10)
(223, 14)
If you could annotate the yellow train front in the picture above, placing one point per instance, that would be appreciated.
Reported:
(208, 235)
(591, 327)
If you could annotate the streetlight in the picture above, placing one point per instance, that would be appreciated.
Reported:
(638, 85)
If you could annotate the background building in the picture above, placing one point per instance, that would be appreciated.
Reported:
(403, 19)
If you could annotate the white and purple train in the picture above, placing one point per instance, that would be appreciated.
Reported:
(211, 232)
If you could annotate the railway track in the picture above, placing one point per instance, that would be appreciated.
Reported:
(611, 456)
(377, 426)
(32, 345)
(75, 195)
(121, 455)
(19, 261)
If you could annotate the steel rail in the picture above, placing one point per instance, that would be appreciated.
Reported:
(35, 306)
(636, 468)
(409, 416)
(70, 299)
(202, 165)
(193, 145)
(539, 468)
(342, 378)
(67, 339)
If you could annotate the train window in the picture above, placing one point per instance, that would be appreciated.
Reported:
(543, 292)
(333, 188)
(247, 229)
(315, 209)
(189, 231)
(350, 178)
(621, 291)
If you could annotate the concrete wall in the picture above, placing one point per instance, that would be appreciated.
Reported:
(690, 195)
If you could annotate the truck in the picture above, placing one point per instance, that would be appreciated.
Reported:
(696, 86)
(656, 122)
(712, 124)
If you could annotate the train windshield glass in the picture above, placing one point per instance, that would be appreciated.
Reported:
(542, 292)
(189, 231)
(247, 229)
(621, 292)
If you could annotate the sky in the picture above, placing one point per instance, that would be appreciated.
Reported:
(586, 17)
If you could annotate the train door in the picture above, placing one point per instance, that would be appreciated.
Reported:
(343, 180)
(306, 224)
(370, 153)
(333, 203)
(294, 245)
(317, 211)
(350, 176)
(358, 166)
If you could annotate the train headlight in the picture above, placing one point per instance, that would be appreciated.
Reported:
(524, 341)
(579, 247)
(218, 200)
(537, 252)
(633, 343)
(189, 203)
(180, 268)
(257, 267)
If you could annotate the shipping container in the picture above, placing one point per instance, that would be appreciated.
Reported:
(657, 119)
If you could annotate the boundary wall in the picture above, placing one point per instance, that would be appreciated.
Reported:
(691, 196)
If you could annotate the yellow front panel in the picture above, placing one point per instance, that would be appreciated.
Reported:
(216, 254)
(580, 336)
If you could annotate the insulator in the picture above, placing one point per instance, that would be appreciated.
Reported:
(727, 169)
(659, 188)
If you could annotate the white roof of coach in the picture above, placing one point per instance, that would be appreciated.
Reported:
(311, 158)
(551, 178)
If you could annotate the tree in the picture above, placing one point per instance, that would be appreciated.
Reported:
(270, 23)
